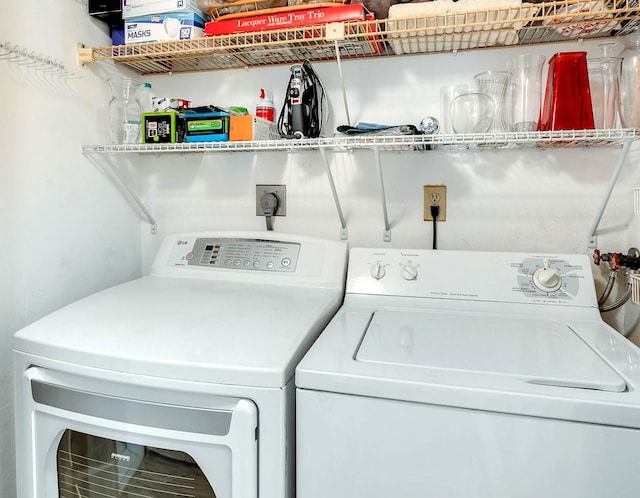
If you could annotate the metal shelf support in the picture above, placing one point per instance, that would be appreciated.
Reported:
(386, 235)
(101, 160)
(592, 239)
(344, 233)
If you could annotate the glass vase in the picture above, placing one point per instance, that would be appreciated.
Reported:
(526, 85)
(629, 96)
(495, 84)
(124, 110)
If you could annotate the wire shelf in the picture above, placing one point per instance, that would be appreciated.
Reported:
(537, 23)
(479, 141)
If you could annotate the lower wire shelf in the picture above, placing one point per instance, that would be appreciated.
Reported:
(102, 155)
(471, 141)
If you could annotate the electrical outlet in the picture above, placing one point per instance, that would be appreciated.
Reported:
(280, 191)
(435, 195)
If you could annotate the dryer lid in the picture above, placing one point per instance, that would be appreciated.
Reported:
(538, 351)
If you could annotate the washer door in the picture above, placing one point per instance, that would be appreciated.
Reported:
(91, 438)
(537, 351)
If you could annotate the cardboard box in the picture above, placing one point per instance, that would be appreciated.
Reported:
(163, 27)
(162, 127)
(207, 127)
(305, 16)
(248, 127)
(138, 8)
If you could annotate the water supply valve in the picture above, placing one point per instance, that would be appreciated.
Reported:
(617, 260)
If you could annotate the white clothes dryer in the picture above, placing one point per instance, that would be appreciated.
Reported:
(179, 383)
(468, 374)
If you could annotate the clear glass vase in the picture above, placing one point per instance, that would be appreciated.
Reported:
(526, 85)
(496, 84)
(124, 110)
(629, 96)
(604, 79)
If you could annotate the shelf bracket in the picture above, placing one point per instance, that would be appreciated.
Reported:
(592, 239)
(386, 236)
(100, 160)
(344, 234)
(83, 55)
(334, 32)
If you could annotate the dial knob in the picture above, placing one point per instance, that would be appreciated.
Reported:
(378, 271)
(547, 279)
(409, 272)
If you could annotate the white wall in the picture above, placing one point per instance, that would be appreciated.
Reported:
(65, 231)
(69, 231)
(512, 200)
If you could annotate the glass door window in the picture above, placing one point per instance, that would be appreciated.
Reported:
(95, 467)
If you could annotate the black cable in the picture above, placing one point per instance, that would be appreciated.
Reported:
(269, 204)
(435, 212)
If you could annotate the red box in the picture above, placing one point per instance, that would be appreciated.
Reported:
(286, 19)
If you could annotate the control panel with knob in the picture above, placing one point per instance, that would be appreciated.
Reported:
(547, 279)
(377, 271)
(409, 271)
(564, 279)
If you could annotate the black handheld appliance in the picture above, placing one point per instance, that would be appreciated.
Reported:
(303, 111)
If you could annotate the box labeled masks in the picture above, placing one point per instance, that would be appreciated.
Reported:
(137, 8)
(163, 27)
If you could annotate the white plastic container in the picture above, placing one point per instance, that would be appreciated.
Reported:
(265, 108)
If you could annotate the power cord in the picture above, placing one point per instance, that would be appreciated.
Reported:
(435, 212)
(269, 204)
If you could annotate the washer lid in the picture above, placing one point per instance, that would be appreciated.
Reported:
(537, 351)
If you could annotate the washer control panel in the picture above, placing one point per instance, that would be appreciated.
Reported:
(490, 276)
(240, 254)
(540, 277)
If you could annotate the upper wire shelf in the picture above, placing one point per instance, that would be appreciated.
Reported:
(530, 23)
(541, 139)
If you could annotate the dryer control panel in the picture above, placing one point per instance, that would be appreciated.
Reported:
(253, 256)
(247, 254)
(477, 276)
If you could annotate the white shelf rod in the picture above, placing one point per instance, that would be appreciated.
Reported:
(387, 227)
(344, 91)
(344, 234)
(132, 193)
(592, 239)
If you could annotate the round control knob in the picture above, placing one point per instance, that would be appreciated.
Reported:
(378, 271)
(547, 279)
(409, 272)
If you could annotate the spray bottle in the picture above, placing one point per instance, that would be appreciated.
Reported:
(265, 108)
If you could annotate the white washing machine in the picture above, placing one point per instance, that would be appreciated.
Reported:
(468, 374)
(179, 383)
